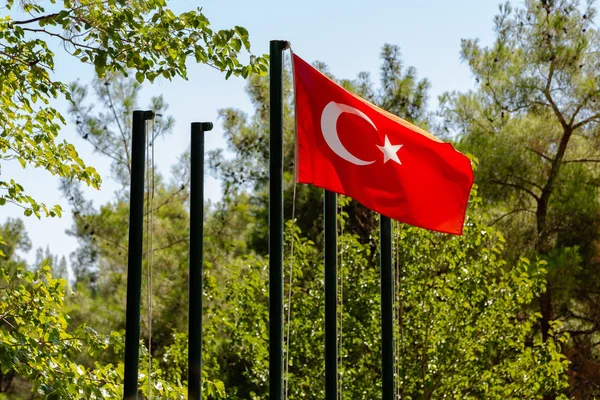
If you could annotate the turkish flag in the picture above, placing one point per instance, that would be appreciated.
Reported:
(349, 146)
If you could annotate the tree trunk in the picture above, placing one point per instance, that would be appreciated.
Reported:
(542, 247)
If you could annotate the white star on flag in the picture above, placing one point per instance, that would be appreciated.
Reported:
(390, 151)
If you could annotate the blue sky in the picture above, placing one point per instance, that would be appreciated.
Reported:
(345, 35)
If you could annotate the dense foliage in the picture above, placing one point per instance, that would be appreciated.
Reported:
(487, 315)
(141, 36)
(533, 122)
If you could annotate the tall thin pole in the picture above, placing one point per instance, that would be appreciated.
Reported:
(331, 356)
(134, 263)
(276, 221)
(196, 259)
(387, 322)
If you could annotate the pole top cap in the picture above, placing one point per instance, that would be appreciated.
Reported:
(282, 44)
(204, 126)
(146, 114)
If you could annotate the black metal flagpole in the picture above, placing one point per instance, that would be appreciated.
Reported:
(134, 263)
(331, 356)
(276, 220)
(387, 321)
(196, 259)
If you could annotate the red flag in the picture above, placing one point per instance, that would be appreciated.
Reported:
(350, 146)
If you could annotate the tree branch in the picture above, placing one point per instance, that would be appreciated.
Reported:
(168, 245)
(582, 332)
(15, 58)
(516, 186)
(40, 18)
(171, 197)
(510, 213)
(121, 131)
(528, 182)
(582, 160)
(580, 107)
(539, 153)
(548, 96)
(585, 121)
(61, 37)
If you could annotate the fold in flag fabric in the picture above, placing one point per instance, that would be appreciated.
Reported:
(349, 146)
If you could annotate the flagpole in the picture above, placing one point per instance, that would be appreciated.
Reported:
(331, 356)
(276, 220)
(134, 253)
(387, 321)
(196, 258)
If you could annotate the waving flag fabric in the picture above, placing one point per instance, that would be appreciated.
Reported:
(350, 146)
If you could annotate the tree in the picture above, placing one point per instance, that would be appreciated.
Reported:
(38, 343)
(104, 120)
(15, 239)
(108, 129)
(99, 264)
(461, 328)
(142, 36)
(533, 123)
(58, 266)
